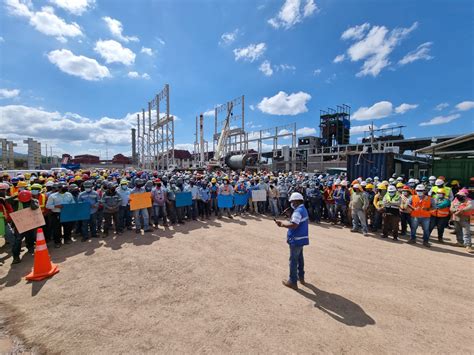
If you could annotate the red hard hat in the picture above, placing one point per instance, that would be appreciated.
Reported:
(157, 180)
(24, 196)
(85, 177)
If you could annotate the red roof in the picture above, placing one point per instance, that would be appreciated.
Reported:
(182, 154)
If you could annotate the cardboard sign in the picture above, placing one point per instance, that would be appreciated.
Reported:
(140, 201)
(184, 199)
(75, 212)
(241, 199)
(27, 219)
(225, 201)
(259, 195)
(2, 224)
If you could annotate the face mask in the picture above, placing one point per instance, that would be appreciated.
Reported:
(20, 189)
(123, 187)
(405, 193)
(293, 205)
(420, 193)
(88, 189)
(391, 193)
(35, 192)
(441, 196)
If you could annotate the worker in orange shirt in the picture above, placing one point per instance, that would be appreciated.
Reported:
(422, 204)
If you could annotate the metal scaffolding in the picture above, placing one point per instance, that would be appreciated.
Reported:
(155, 134)
(235, 142)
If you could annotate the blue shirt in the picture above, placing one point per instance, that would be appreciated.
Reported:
(299, 235)
(91, 197)
(124, 194)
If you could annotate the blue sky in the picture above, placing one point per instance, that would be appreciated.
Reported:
(73, 73)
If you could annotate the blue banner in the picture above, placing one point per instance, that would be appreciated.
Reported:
(225, 201)
(241, 199)
(75, 212)
(183, 199)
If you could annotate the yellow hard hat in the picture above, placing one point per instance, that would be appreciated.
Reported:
(382, 186)
(455, 182)
(385, 182)
(22, 184)
(400, 184)
(369, 186)
(27, 175)
(213, 180)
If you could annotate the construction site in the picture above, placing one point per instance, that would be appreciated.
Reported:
(381, 152)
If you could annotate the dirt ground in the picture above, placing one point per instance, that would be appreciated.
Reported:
(215, 287)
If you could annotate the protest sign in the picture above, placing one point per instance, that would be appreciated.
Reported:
(140, 201)
(75, 212)
(27, 219)
(224, 201)
(241, 199)
(259, 195)
(184, 199)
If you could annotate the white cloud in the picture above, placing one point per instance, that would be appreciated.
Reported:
(229, 37)
(75, 7)
(421, 52)
(161, 41)
(44, 21)
(440, 120)
(136, 75)
(316, 72)
(293, 12)
(388, 125)
(441, 106)
(116, 28)
(356, 32)
(306, 131)
(250, 53)
(339, 58)
(113, 52)
(378, 110)
(465, 105)
(284, 104)
(252, 107)
(147, 51)
(69, 131)
(83, 67)
(185, 146)
(284, 67)
(404, 108)
(375, 46)
(9, 94)
(361, 129)
(1, 39)
(266, 68)
(209, 113)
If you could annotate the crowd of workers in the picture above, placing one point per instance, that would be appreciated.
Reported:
(395, 207)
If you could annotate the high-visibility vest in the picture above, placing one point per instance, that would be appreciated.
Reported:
(440, 212)
(434, 191)
(421, 206)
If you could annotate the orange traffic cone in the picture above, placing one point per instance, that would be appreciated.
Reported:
(43, 267)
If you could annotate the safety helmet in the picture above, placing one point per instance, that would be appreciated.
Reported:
(356, 187)
(213, 180)
(24, 196)
(376, 178)
(363, 184)
(296, 196)
(369, 186)
(420, 188)
(455, 182)
(411, 181)
(439, 182)
(123, 182)
(36, 187)
(88, 184)
(399, 185)
(337, 182)
(22, 184)
(441, 191)
(392, 188)
(381, 186)
(344, 183)
(368, 179)
(399, 179)
(4, 186)
(354, 182)
(406, 188)
(391, 180)
(432, 178)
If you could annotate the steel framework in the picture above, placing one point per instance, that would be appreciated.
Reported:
(235, 141)
(155, 134)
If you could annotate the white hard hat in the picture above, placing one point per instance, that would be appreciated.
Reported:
(363, 183)
(296, 196)
(337, 182)
(399, 178)
(344, 183)
(356, 186)
(420, 188)
(392, 188)
(391, 180)
(432, 177)
(411, 181)
(376, 178)
(439, 182)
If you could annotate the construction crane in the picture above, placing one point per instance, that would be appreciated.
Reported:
(215, 162)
